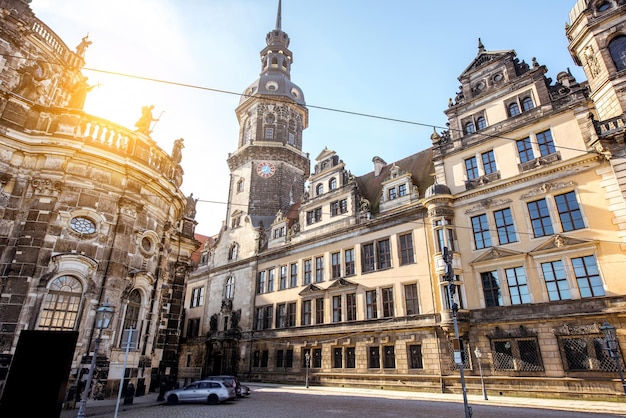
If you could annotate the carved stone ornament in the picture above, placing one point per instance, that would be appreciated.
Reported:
(547, 187)
(486, 204)
(566, 329)
(47, 187)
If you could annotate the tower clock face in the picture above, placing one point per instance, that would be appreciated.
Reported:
(265, 169)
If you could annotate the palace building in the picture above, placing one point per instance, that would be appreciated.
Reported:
(500, 246)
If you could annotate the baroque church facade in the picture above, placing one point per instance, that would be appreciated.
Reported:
(91, 213)
(508, 228)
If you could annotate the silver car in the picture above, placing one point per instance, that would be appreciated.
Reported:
(210, 392)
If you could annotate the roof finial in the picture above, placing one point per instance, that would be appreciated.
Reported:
(481, 47)
(278, 16)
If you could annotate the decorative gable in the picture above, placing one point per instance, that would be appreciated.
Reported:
(495, 253)
(559, 242)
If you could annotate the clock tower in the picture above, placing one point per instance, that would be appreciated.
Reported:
(268, 169)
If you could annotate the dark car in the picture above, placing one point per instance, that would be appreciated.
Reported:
(208, 391)
(233, 381)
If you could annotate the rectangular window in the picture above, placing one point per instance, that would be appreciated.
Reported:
(265, 354)
(317, 358)
(335, 265)
(350, 358)
(402, 190)
(334, 208)
(256, 358)
(525, 150)
(283, 277)
(540, 218)
(491, 289)
(281, 315)
(546, 145)
(569, 211)
(415, 357)
(480, 228)
(279, 358)
(293, 279)
(260, 284)
(193, 327)
(444, 234)
(520, 354)
(518, 287)
(586, 353)
(471, 168)
(269, 312)
(406, 249)
(319, 310)
(556, 280)
(411, 300)
(389, 359)
(504, 226)
(270, 280)
(337, 357)
(306, 312)
(351, 307)
(307, 271)
(348, 256)
(319, 269)
(384, 254)
(369, 257)
(392, 193)
(318, 214)
(259, 318)
(587, 276)
(336, 308)
(269, 133)
(314, 216)
(197, 297)
(291, 314)
(288, 359)
(373, 357)
(343, 206)
(387, 302)
(489, 162)
(370, 305)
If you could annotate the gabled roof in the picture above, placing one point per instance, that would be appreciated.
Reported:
(419, 165)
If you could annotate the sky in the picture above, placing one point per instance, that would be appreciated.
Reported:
(376, 75)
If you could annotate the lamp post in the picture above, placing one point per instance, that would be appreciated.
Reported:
(610, 337)
(104, 314)
(480, 367)
(449, 277)
(307, 359)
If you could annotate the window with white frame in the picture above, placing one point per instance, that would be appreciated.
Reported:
(197, 297)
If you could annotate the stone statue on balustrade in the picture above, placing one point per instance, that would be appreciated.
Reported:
(177, 155)
(31, 85)
(190, 207)
(79, 93)
(82, 46)
(146, 119)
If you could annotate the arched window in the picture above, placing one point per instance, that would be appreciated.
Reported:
(131, 317)
(469, 128)
(481, 123)
(240, 185)
(319, 189)
(60, 308)
(513, 109)
(617, 48)
(332, 184)
(527, 104)
(229, 288)
(232, 253)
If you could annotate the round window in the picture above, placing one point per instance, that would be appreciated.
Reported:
(82, 225)
(146, 244)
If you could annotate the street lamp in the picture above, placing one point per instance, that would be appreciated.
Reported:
(307, 359)
(610, 337)
(480, 367)
(104, 314)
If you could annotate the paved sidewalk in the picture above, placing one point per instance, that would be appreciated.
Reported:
(107, 406)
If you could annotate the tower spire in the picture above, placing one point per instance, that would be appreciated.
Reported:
(278, 17)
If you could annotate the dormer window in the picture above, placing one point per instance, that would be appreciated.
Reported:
(332, 184)
(603, 6)
(527, 104)
(513, 110)
(319, 189)
(392, 193)
(402, 190)
(481, 123)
